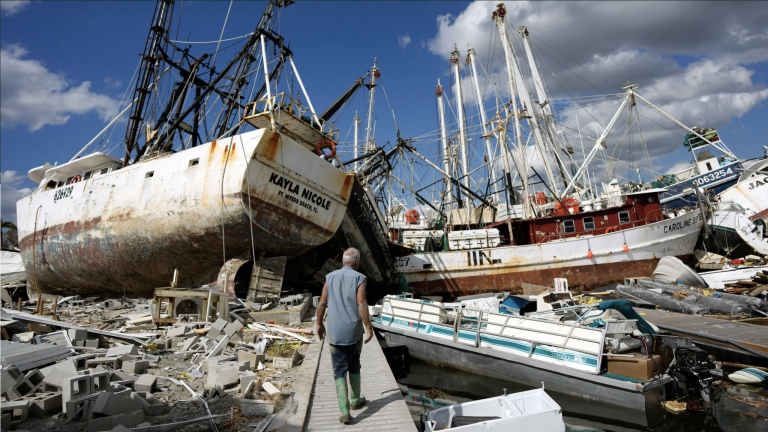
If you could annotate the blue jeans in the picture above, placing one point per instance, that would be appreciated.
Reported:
(346, 358)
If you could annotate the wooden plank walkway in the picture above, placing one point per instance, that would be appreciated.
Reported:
(385, 409)
(712, 330)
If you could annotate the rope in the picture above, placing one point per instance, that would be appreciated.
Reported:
(215, 41)
(250, 210)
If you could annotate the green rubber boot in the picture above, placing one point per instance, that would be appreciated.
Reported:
(357, 400)
(342, 394)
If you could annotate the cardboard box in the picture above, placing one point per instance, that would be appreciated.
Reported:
(640, 367)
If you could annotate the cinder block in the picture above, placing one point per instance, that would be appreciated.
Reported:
(119, 350)
(135, 366)
(72, 406)
(246, 378)
(121, 375)
(25, 386)
(92, 343)
(145, 383)
(120, 390)
(232, 328)
(19, 410)
(76, 387)
(252, 407)
(251, 357)
(217, 328)
(23, 337)
(112, 362)
(283, 362)
(215, 360)
(100, 381)
(149, 403)
(34, 377)
(78, 334)
(80, 360)
(44, 405)
(189, 342)
(109, 404)
(59, 372)
(9, 377)
(222, 376)
(177, 331)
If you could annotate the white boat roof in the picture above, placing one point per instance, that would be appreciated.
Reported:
(656, 190)
(37, 174)
(77, 166)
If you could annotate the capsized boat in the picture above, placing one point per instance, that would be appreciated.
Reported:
(739, 220)
(513, 412)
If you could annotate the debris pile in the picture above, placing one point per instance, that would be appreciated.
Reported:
(186, 357)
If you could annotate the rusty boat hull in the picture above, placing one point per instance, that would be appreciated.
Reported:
(506, 268)
(126, 232)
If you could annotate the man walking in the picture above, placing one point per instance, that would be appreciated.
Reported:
(344, 297)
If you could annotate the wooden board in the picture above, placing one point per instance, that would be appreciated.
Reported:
(267, 277)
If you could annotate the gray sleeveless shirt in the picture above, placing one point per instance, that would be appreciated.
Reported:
(345, 326)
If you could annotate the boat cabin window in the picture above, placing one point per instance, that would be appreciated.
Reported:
(651, 200)
(624, 217)
(569, 226)
(69, 180)
(87, 175)
(709, 166)
(51, 185)
(589, 223)
(194, 162)
(104, 171)
(150, 174)
(60, 184)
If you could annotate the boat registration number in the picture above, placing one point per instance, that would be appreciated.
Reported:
(715, 175)
(757, 183)
(63, 193)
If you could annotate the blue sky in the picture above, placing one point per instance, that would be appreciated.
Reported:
(74, 60)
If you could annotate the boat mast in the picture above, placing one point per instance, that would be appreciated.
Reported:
(522, 93)
(460, 113)
(544, 106)
(522, 170)
(444, 138)
(357, 123)
(369, 145)
(472, 60)
(161, 23)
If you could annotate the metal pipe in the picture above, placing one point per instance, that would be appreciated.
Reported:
(103, 130)
(446, 156)
(306, 95)
(483, 118)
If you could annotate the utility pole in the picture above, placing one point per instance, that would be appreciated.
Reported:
(472, 60)
(446, 154)
(522, 92)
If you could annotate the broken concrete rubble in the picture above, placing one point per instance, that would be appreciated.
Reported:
(110, 381)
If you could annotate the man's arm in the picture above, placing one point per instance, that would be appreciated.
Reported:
(322, 305)
(362, 306)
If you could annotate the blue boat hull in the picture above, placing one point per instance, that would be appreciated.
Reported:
(717, 181)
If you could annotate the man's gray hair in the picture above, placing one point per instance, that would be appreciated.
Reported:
(351, 256)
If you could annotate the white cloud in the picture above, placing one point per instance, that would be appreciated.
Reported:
(9, 8)
(676, 168)
(10, 193)
(404, 40)
(112, 83)
(34, 96)
(634, 41)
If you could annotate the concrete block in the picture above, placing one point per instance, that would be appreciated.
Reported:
(222, 376)
(252, 407)
(92, 343)
(145, 383)
(44, 405)
(78, 334)
(112, 362)
(25, 337)
(19, 410)
(100, 424)
(215, 360)
(251, 356)
(119, 350)
(54, 377)
(189, 342)
(110, 404)
(76, 387)
(177, 331)
(235, 338)
(250, 337)
(135, 366)
(121, 375)
(149, 403)
(217, 328)
(246, 378)
(80, 360)
(9, 376)
(100, 381)
(232, 328)
(72, 406)
(32, 381)
(284, 362)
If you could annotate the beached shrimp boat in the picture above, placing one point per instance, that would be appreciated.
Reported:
(101, 224)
